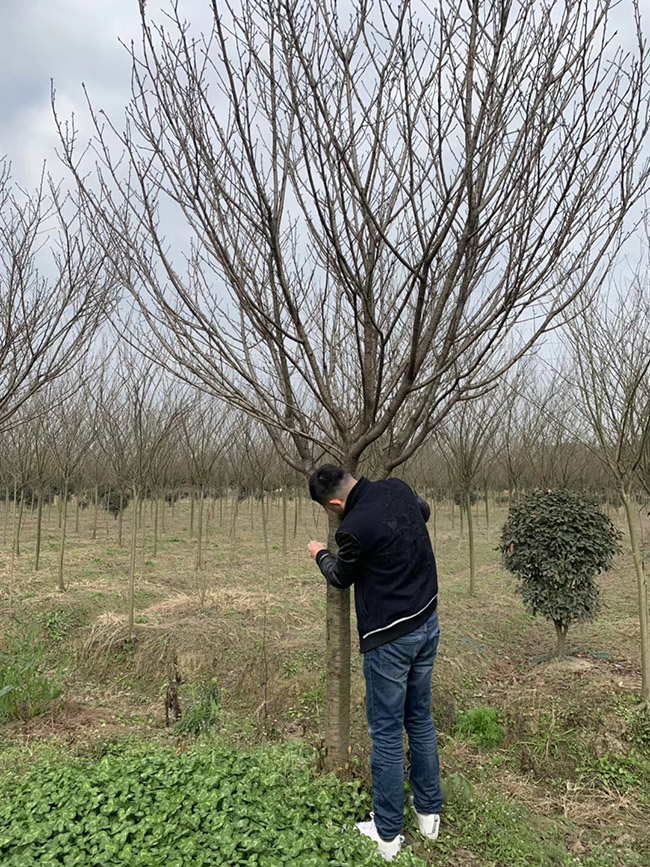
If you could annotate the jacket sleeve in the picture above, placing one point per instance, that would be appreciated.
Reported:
(341, 571)
(424, 508)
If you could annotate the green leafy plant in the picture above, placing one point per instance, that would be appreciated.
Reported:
(481, 726)
(556, 543)
(207, 806)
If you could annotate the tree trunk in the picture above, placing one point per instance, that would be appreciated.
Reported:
(155, 525)
(13, 552)
(199, 546)
(265, 653)
(77, 510)
(64, 521)
(434, 515)
(561, 632)
(39, 525)
(487, 511)
(4, 532)
(106, 507)
(134, 545)
(21, 509)
(470, 541)
(120, 520)
(235, 509)
(284, 520)
(642, 587)
(337, 725)
(192, 513)
(461, 514)
(96, 511)
(295, 514)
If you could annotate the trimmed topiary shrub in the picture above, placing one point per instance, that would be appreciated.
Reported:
(556, 543)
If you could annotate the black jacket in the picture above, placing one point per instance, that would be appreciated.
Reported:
(385, 551)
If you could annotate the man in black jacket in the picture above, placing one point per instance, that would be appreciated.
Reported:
(385, 551)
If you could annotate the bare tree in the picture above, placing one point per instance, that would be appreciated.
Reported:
(139, 411)
(43, 467)
(384, 211)
(54, 289)
(522, 424)
(207, 433)
(464, 439)
(69, 429)
(22, 458)
(611, 355)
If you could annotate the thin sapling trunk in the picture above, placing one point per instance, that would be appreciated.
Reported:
(39, 526)
(64, 522)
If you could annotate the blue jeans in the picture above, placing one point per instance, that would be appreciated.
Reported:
(398, 696)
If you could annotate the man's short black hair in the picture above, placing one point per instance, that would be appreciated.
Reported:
(326, 483)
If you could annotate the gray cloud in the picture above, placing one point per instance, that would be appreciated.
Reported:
(69, 42)
(75, 41)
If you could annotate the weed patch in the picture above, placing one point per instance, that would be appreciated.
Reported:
(59, 623)
(621, 773)
(637, 727)
(481, 727)
(499, 829)
(28, 684)
(203, 713)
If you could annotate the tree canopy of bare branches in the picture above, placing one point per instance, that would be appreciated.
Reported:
(373, 202)
(611, 355)
(54, 290)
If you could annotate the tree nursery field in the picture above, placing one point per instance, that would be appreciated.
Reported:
(196, 737)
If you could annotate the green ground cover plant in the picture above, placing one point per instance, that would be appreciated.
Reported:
(622, 773)
(211, 805)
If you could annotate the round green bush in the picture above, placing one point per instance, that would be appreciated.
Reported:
(556, 543)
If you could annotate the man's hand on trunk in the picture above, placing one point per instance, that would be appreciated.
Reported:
(315, 547)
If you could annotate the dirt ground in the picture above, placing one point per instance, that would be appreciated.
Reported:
(574, 751)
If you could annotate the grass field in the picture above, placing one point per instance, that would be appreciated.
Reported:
(544, 762)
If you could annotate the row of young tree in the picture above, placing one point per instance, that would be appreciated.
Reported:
(128, 426)
(129, 433)
(377, 216)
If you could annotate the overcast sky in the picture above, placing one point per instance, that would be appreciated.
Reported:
(69, 41)
(75, 41)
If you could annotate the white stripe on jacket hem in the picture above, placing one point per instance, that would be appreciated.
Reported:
(401, 619)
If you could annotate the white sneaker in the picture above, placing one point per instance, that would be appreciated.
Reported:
(429, 824)
(388, 849)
